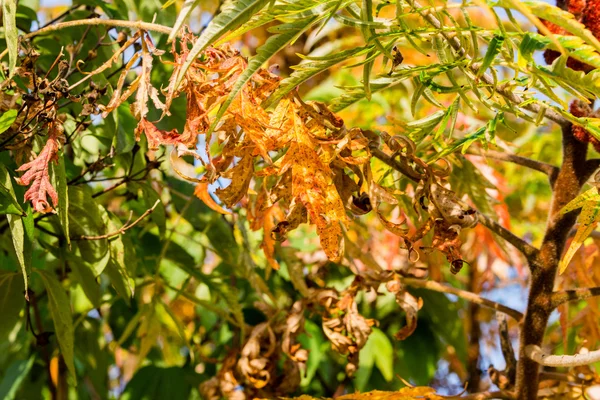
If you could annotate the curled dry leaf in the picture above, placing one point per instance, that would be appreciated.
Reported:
(411, 307)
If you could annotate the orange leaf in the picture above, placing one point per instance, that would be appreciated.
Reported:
(201, 191)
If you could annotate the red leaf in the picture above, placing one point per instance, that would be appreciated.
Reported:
(37, 172)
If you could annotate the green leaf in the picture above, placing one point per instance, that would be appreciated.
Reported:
(379, 352)
(158, 215)
(11, 34)
(311, 67)
(125, 124)
(60, 310)
(494, 48)
(21, 229)
(558, 17)
(155, 383)
(59, 176)
(233, 14)
(120, 257)
(84, 275)
(6, 119)
(86, 219)
(14, 377)
(8, 202)
(11, 302)
(383, 354)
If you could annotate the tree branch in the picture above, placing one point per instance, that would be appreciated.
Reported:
(541, 357)
(113, 23)
(463, 294)
(573, 174)
(507, 349)
(548, 169)
(123, 228)
(565, 296)
(520, 244)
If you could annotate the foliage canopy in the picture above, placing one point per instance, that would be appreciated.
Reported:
(305, 198)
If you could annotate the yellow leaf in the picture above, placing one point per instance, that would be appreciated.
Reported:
(588, 220)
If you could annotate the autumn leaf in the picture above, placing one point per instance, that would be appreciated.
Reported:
(240, 176)
(154, 135)
(201, 191)
(38, 174)
(589, 202)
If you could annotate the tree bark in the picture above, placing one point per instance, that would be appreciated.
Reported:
(543, 266)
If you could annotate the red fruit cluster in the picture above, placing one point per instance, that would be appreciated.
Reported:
(585, 11)
(581, 109)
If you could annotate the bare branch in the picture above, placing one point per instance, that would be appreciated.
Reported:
(463, 294)
(541, 357)
(565, 296)
(507, 349)
(548, 169)
(520, 244)
(123, 228)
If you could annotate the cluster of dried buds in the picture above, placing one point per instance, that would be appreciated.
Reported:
(38, 115)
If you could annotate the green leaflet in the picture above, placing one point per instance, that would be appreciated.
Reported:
(183, 15)
(589, 202)
(121, 262)
(11, 34)
(485, 134)
(233, 14)
(86, 219)
(576, 46)
(306, 70)
(558, 17)
(14, 377)
(7, 119)
(8, 202)
(60, 310)
(494, 48)
(21, 230)
(11, 302)
(379, 352)
(59, 178)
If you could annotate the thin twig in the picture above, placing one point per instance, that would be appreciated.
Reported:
(463, 294)
(505, 92)
(507, 348)
(565, 296)
(541, 357)
(540, 166)
(123, 228)
(137, 25)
